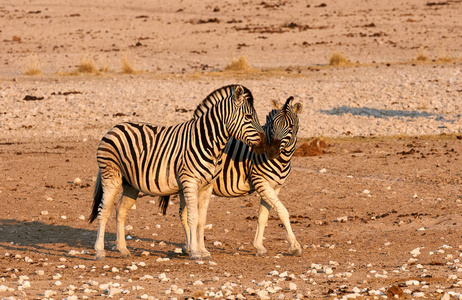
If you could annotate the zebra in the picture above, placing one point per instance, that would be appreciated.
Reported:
(245, 171)
(183, 159)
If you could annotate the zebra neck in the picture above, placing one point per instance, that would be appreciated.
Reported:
(288, 152)
(211, 134)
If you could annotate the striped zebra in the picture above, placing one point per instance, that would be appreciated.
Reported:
(245, 172)
(183, 159)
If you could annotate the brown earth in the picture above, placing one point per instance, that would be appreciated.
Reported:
(362, 208)
(359, 209)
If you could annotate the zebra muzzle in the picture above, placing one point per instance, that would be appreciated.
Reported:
(274, 149)
(261, 146)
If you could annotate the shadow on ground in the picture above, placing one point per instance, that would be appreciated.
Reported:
(386, 113)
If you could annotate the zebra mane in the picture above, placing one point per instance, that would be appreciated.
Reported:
(217, 96)
(269, 124)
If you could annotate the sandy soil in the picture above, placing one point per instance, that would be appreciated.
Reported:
(377, 213)
(359, 211)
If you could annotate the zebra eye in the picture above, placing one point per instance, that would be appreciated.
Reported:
(248, 117)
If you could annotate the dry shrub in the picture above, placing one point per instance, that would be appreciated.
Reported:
(446, 59)
(126, 67)
(338, 60)
(238, 65)
(32, 67)
(422, 58)
(86, 65)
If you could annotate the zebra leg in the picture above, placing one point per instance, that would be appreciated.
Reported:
(125, 204)
(203, 199)
(270, 196)
(111, 182)
(263, 214)
(190, 190)
(184, 221)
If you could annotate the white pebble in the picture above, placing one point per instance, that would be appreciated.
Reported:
(274, 273)
(44, 212)
(415, 252)
(323, 170)
(58, 283)
(292, 286)
(198, 283)
(77, 180)
(208, 226)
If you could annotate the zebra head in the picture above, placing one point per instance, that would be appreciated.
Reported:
(243, 124)
(284, 127)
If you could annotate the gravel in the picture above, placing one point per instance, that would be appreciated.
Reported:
(361, 101)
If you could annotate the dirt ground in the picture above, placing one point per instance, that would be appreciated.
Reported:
(358, 210)
(377, 212)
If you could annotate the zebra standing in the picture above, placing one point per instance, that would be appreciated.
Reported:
(183, 159)
(244, 172)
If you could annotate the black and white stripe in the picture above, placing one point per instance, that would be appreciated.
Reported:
(162, 161)
(245, 171)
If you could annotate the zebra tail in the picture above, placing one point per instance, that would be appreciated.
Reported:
(163, 203)
(97, 198)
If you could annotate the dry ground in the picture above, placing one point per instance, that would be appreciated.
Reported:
(363, 210)
(358, 210)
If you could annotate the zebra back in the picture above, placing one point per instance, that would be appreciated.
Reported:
(213, 98)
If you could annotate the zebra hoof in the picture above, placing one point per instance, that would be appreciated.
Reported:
(206, 256)
(100, 256)
(195, 255)
(125, 254)
(262, 253)
(185, 250)
(296, 252)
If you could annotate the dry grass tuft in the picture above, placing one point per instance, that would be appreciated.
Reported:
(338, 60)
(32, 67)
(238, 65)
(422, 58)
(86, 65)
(126, 67)
(32, 71)
(446, 59)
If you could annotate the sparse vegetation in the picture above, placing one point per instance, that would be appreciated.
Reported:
(422, 58)
(446, 59)
(338, 60)
(32, 67)
(126, 67)
(86, 65)
(238, 65)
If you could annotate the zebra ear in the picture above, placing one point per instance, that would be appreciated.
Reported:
(239, 95)
(289, 101)
(297, 108)
(276, 104)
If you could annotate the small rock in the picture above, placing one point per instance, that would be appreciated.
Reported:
(415, 252)
(394, 291)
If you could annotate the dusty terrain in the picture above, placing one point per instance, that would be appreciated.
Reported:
(377, 214)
